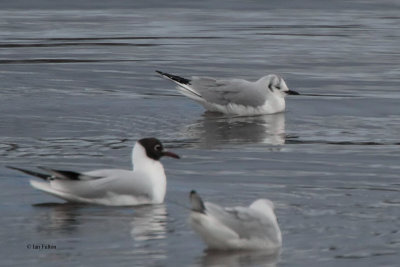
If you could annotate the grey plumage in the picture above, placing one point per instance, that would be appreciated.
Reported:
(245, 222)
(221, 91)
(224, 92)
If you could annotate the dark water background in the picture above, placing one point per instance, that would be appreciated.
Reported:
(77, 88)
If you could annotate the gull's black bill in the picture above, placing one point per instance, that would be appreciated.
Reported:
(291, 92)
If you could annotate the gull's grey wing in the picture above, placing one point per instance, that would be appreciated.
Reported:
(246, 222)
(109, 181)
(225, 91)
(123, 181)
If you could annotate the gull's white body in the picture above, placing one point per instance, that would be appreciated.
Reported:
(235, 96)
(146, 184)
(239, 228)
(271, 106)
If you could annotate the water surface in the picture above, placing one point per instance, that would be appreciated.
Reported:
(78, 88)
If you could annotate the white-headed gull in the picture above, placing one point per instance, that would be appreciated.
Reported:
(145, 184)
(235, 96)
(236, 228)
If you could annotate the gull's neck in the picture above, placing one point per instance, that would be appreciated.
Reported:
(152, 170)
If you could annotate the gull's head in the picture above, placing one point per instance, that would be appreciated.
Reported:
(276, 85)
(154, 148)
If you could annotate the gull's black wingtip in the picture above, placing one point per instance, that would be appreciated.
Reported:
(15, 168)
(197, 202)
(174, 78)
(37, 174)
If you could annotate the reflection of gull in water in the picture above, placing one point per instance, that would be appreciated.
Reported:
(239, 258)
(213, 130)
(59, 216)
(149, 233)
(149, 223)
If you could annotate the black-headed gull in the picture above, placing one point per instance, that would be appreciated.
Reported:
(145, 184)
(236, 228)
(235, 96)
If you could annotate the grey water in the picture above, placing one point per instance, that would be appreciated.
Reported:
(78, 88)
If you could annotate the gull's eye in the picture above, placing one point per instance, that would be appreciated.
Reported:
(278, 87)
(157, 147)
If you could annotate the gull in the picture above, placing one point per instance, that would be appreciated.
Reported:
(235, 96)
(145, 184)
(236, 228)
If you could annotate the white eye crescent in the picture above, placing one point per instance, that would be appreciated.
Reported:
(157, 147)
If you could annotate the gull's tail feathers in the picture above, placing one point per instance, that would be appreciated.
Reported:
(46, 187)
(184, 85)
